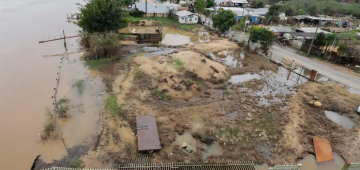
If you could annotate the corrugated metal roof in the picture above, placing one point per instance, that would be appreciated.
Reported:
(147, 133)
(281, 29)
(183, 13)
(311, 30)
(240, 1)
(323, 149)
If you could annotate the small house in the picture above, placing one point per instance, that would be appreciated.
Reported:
(186, 17)
(147, 134)
(153, 8)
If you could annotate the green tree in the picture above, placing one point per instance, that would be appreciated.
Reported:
(313, 10)
(224, 20)
(101, 16)
(300, 12)
(260, 4)
(210, 3)
(207, 12)
(200, 5)
(320, 40)
(275, 10)
(241, 25)
(263, 36)
(330, 39)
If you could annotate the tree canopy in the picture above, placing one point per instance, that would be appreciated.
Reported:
(320, 40)
(224, 20)
(101, 16)
(210, 3)
(200, 5)
(260, 4)
(206, 12)
(262, 36)
(275, 10)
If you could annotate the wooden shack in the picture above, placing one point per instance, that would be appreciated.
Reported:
(147, 134)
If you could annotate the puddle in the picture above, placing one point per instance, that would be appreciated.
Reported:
(263, 166)
(232, 115)
(306, 73)
(339, 119)
(231, 58)
(309, 163)
(187, 138)
(354, 91)
(171, 36)
(243, 77)
(213, 150)
(162, 52)
(277, 86)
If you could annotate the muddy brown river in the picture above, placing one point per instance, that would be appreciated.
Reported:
(28, 77)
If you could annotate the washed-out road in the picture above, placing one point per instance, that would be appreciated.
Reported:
(337, 75)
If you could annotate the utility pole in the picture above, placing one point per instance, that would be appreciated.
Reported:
(312, 41)
(145, 7)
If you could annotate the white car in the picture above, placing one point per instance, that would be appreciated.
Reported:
(358, 110)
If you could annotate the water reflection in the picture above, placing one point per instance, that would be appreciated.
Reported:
(244, 77)
(309, 163)
(339, 119)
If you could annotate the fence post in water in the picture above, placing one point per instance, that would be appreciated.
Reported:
(313, 75)
(291, 68)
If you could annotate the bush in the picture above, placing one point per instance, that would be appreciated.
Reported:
(76, 163)
(136, 13)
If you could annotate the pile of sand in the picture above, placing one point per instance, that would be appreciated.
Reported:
(214, 46)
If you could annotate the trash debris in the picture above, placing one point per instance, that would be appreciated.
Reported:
(317, 104)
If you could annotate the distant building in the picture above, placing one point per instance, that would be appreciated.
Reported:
(186, 17)
(147, 134)
(234, 3)
(256, 14)
(310, 20)
(155, 9)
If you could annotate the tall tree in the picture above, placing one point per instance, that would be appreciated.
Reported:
(263, 36)
(320, 40)
(200, 5)
(210, 3)
(275, 10)
(224, 20)
(101, 16)
(260, 4)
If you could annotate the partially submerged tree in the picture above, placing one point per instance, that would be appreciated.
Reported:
(101, 16)
(263, 36)
(200, 5)
(224, 20)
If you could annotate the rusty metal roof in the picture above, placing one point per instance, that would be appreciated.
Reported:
(147, 133)
(323, 149)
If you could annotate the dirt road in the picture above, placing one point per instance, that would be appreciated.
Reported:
(340, 76)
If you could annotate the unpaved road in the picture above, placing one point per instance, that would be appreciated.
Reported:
(345, 78)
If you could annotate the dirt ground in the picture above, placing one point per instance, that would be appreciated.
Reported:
(187, 91)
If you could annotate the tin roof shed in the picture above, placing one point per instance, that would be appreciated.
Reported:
(147, 133)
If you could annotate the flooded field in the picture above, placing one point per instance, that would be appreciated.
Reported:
(171, 36)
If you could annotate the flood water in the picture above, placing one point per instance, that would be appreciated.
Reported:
(243, 77)
(28, 79)
(309, 163)
(171, 36)
(340, 120)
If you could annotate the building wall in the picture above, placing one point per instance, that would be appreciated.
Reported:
(297, 43)
(158, 8)
(190, 19)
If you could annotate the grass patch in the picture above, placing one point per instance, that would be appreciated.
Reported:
(160, 95)
(48, 129)
(267, 123)
(226, 92)
(167, 22)
(99, 63)
(62, 108)
(76, 163)
(178, 64)
(138, 73)
(113, 107)
(80, 86)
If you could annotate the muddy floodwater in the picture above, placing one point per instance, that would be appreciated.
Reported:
(28, 74)
(171, 36)
(341, 120)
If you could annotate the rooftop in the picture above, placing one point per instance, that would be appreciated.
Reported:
(311, 30)
(281, 29)
(240, 1)
(183, 13)
(147, 133)
(312, 18)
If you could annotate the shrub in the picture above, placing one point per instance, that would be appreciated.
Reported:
(136, 13)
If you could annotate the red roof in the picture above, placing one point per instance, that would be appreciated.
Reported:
(323, 149)
(147, 133)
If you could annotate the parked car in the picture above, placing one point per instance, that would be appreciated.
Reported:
(358, 110)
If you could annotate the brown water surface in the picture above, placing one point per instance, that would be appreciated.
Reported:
(27, 78)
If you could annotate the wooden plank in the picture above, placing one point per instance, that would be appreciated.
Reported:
(323, 149)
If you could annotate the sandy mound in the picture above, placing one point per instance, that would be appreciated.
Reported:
(214, 46)
(178, 73)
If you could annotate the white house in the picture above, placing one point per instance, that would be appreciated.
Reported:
(153, 8)
(186, 17)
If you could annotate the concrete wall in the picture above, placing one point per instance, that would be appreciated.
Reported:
(190, 19)
(297, 43)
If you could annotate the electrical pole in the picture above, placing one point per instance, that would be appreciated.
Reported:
(145, 7)
(312, 41)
